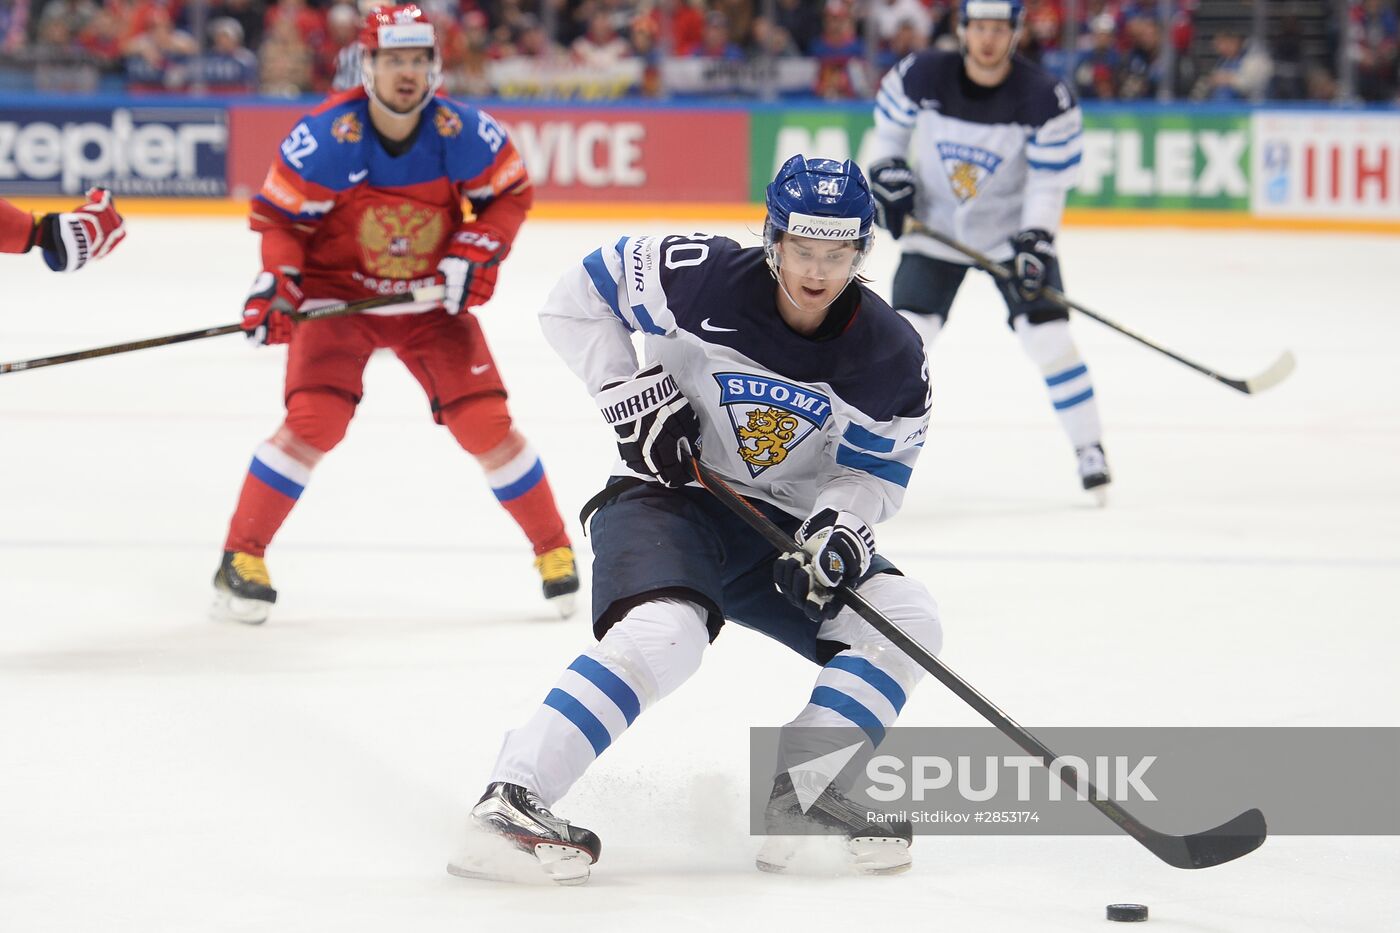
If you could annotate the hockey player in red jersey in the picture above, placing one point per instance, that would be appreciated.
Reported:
(365, 199)
(68, 240)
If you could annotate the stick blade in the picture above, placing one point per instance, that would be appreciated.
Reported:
(1225, 843)
(1279, 371)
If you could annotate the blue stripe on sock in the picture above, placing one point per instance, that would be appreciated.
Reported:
(521, 486)
(613, 686)
(1075, 400)
(276, 480)
(851, 708)
(1067, 375)
(574, 711)
(872, 675)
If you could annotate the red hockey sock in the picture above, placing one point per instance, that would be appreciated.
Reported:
(279, 472)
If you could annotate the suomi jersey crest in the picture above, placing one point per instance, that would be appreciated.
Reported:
(770, 417)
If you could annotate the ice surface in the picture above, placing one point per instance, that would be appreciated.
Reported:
(161, 772)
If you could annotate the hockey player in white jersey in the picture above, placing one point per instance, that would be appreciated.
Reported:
(805, 391)
(996, 143)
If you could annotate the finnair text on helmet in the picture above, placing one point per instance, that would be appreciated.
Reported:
(823, 228)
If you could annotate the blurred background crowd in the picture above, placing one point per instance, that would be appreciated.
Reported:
(1209, 50)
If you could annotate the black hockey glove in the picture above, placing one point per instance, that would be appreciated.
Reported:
(893, 184)
(836, 550)
(1035, 257)
(655, 424)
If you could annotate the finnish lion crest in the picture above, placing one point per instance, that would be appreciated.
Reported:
(770, 417)
(763, 441)
(969, 168)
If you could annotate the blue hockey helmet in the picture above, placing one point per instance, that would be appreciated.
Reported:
(1013, 11)
(820, 198)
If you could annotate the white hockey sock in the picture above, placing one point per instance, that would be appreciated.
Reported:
(866, 685)
(645, 656)
(1052, 349)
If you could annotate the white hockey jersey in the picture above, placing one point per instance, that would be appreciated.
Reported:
(991, 161)
(796, 422)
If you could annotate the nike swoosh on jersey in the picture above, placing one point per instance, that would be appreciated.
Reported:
(478, 370)
(357, 177)
(706, 325)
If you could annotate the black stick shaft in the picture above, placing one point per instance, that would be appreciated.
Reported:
(1060, 298)
(431, 293)
(1172, 849)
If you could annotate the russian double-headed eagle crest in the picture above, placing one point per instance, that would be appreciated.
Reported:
(400, 241)
(347, 129)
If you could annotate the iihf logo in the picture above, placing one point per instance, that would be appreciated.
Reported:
(770, 417)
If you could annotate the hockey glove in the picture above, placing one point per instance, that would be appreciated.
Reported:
(1035, 256)
(89, 231)
(267, 314)
(837, 548)
(656, 427)
(469, 269)
(893, 184)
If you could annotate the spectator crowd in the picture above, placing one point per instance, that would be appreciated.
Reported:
(1114, 50)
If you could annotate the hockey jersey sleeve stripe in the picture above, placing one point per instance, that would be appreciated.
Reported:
(887, 470)
(899, 104)
(898, 121)
(858, 436)
(852, 709)
(574, 711)
(613, 686)
(640, 312)
(872, 675)
(1038, 143)
(1055, 166)
(1067, 375)
(602, 279)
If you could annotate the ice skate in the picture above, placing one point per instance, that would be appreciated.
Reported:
(880, 848)
(242, 589)
(559, 579)
(1093, 472)
(565, 852)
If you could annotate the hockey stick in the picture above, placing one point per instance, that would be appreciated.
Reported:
(1224, 843)
(1267, 379)
(429, 293)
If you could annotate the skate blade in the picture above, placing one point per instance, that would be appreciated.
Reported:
(564, 604)
(491, 857)
(825, 856)
(229, 608)
(880, 855)
(1100, 494)
(777, 853)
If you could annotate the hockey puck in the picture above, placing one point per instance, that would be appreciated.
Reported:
(1127, 913)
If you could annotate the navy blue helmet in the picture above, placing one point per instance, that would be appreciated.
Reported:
(820, 198)
(1013, 11)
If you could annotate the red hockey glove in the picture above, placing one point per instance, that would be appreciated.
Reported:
(267, 312)
(469, 269)
(89, 231)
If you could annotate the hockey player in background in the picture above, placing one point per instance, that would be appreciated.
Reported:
(798, 385)
(996, 142)
(365, 200)
(69, 240)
